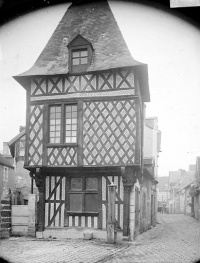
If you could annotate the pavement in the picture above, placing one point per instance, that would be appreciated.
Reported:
(175, 239)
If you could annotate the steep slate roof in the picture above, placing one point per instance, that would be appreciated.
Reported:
(5, 162)
(96, 23)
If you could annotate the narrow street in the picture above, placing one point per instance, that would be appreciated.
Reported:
(175, 239)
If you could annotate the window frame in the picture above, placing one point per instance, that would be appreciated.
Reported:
(83, 193)
(62, 136)
(79, 50)
(81, 67)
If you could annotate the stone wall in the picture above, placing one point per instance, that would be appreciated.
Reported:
(5, 219)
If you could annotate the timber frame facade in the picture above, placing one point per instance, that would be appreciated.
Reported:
(84, 121)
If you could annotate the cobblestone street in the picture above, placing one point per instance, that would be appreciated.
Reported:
(175, 239)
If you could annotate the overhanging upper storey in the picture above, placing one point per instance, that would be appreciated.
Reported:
(87, 40)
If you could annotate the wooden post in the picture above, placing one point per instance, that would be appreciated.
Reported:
(111, 224)
(32, 208)
(40, 183)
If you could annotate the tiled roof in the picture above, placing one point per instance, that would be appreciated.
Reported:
(5, 162)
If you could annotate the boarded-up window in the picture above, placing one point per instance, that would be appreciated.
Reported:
(83, 194)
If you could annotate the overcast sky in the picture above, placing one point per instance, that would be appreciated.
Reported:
(168, 44)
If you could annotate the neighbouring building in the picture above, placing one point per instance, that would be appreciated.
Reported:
(163, 194)
(180, 183)
(148, 194)
(174, 176)
(7, 176)
(24, 185)
(195, 191)
(85, 124)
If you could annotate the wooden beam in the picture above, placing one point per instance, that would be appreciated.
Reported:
(40, 183)
(26, 163)
(45, 134)
(80, 134)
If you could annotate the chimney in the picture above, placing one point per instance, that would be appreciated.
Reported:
(21, 128)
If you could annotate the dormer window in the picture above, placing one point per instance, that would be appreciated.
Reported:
(80, 54)
(79, 57)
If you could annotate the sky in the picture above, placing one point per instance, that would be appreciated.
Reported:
(168, 44)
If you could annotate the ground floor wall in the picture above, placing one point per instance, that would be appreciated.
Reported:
(76, 201)
(148, 202)
(79, 200)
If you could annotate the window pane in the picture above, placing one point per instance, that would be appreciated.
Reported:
(68, 133)
(73, 139)
(52, 128)
(52, 116)
(68, 127)
(68, 108)
(74, 108)
(52, 122)
(84, 61)
(74, 127)
(74, 114)
(84, 53)
(68, 121)
(57, 140)
(76, 183)
(91, 183)
(58, 115)
(75, 54)
(91, 202)
(68, 139)
(75, 202)
(73, 133)
(75, 61)
(51, 140)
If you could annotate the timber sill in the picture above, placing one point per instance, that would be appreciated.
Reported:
(82, 213)
(60, 145)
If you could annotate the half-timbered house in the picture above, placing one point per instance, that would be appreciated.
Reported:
(84, 127)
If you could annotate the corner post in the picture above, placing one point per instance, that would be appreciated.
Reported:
(40, 183)
(111, 224)
(129, 178)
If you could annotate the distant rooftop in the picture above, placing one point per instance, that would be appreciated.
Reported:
(5, 162)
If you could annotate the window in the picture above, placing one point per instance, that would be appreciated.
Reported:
(63, 124)
(79, 57)
(5, 174)
(83, 195)
(71, 123)
(55, 124)
(80, 54)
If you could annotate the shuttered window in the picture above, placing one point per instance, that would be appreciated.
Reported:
(83, 194)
